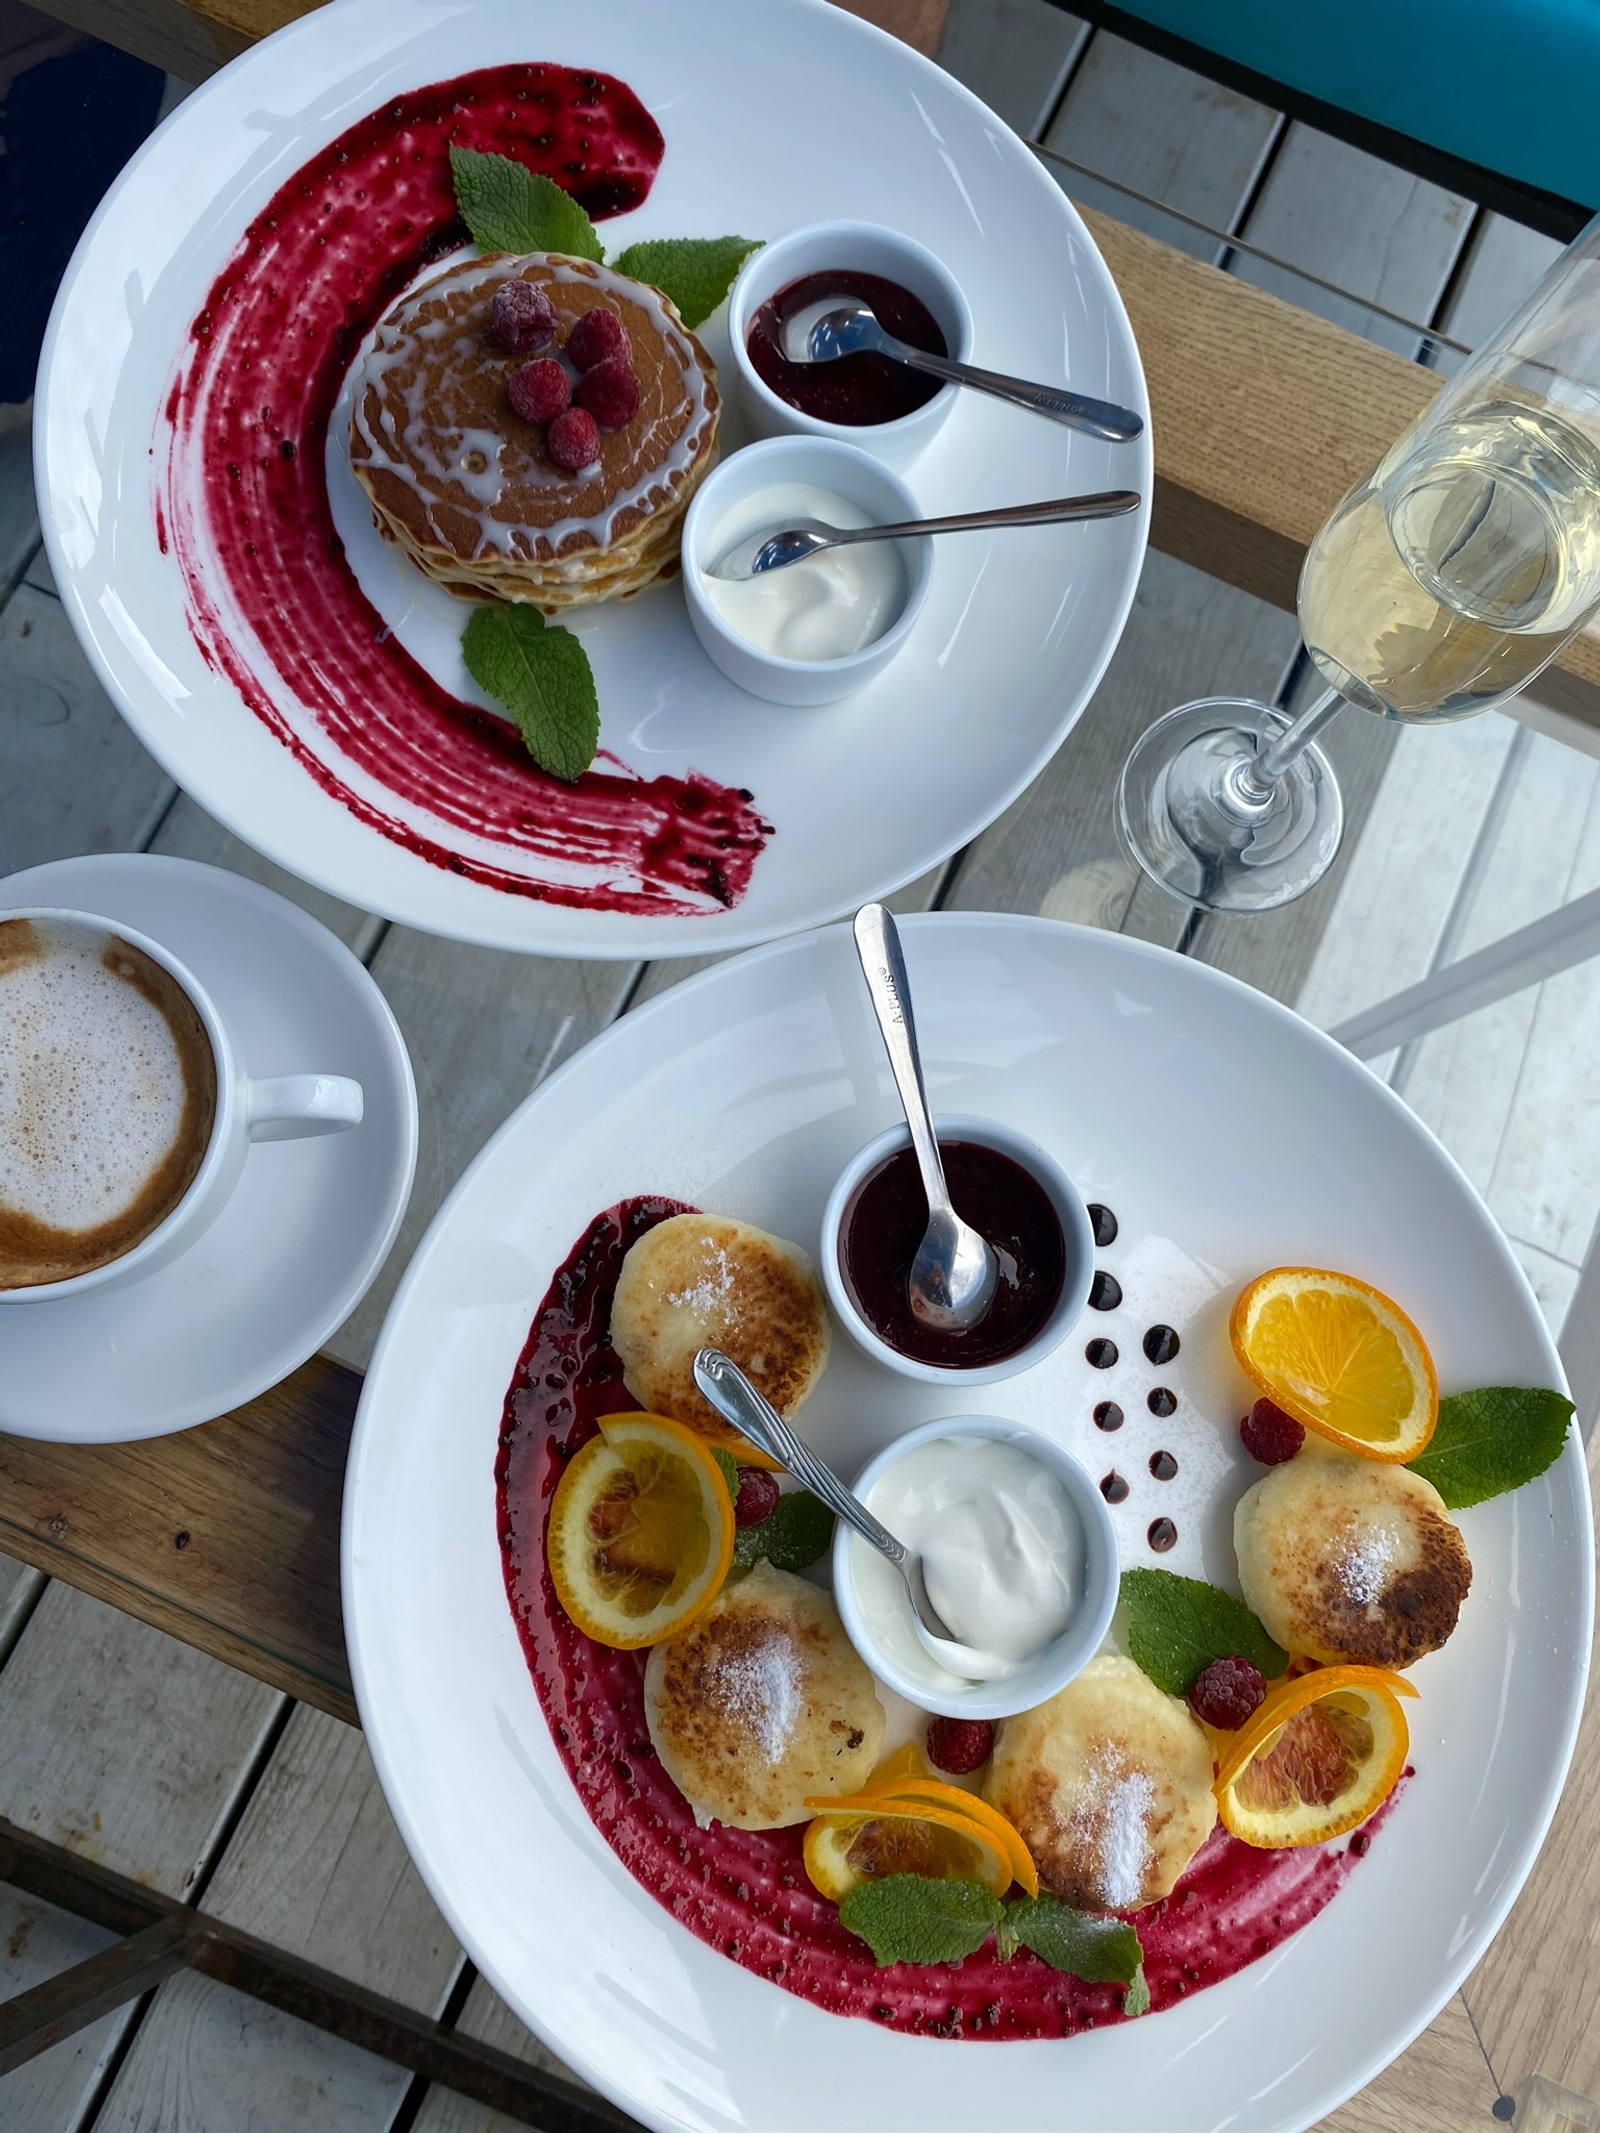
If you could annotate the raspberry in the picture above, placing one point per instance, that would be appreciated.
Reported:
(572, 440)
(597, 335)
(959, 1744)
(610, 392)
(522, 318)
(1269, 1434)
(539, 391)
(1227, 1693)
(757, 1498)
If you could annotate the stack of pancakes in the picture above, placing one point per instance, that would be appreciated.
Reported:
(464, 484)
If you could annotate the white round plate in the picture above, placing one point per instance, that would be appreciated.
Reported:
(310, 1222)
(1227, 1136)
(775, 112)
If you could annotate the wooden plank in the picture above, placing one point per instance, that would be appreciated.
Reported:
(129, 1751)
(1533, 1995)
(256, 1583)
(1015, 54)
(19, 520)
(1143, 123)
(488, 2019)
(1442, 2084)
(76, 779)
(166, 33)
(188, 832)
(1361, 224)
(316, 1867)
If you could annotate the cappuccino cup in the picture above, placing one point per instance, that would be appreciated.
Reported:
(126, 1113)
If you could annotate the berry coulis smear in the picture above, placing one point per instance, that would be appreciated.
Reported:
(745, 1892)
(853, 390)
(273, 604)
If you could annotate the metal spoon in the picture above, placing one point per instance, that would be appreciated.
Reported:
(954, 1272)
(759, 552)
(731, 1393)
(845, 325)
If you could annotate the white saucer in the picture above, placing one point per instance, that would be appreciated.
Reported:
(310, 1224)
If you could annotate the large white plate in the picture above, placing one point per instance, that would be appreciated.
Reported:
(1227, 1136)
(775, 112)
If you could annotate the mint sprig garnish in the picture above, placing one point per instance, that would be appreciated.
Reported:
(798, 1534)
(695, 272)
(1492, 1440)
(541, 673)
(728, 1468)
(911, 1918)
(1177, 1626)
(509, 208)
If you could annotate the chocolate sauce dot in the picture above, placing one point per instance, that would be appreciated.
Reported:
(1504, 2107)
(1108, 1415)
(1103, 1222)
(1100, 1355)
(1161, 1535)
(1105, 1292)
(1163, 1465)
(1113, 1488)
(1161, 1402)
(180, 1540)
(1161, 1344)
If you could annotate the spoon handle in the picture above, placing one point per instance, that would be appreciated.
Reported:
(1101, 418)
(1056, 511)
(884, 967)
(731, 1393)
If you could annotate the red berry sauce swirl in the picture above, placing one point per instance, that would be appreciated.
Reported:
(745, 1892)
(273, 604)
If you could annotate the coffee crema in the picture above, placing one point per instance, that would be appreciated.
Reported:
(108, 1096)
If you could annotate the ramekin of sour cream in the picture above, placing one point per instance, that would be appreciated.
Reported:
(1019, 1554)
(818, 629)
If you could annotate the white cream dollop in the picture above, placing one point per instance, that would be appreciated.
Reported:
(1001, 1545)
(826, 607)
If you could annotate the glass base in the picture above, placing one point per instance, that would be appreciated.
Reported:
(1201, 828)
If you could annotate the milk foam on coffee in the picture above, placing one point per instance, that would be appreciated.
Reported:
(107, 1097)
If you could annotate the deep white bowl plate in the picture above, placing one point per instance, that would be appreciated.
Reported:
(775, 112)
(1227, 1136)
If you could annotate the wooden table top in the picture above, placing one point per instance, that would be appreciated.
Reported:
(227, 1536)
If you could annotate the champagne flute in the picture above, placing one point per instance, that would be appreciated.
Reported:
(1439, 588)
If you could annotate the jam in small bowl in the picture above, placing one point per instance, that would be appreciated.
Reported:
(887, 407)
(1020, 1201)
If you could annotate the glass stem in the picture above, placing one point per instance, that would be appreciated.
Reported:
(1255, 781)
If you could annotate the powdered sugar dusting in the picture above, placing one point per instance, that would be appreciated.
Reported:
(713, 1287)
(760, 1688)
(1112, 1823)
(1363, 1568)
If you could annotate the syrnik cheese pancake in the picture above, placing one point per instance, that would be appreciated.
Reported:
(1351, 1559)
(706, 1281)
(761, 1702)
(1109, 1784)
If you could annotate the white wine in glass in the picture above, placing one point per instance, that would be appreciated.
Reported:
(1440, 586)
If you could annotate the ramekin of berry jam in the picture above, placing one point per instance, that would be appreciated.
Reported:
(1015, 1195)
(886, 407)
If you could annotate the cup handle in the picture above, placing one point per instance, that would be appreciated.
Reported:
(295, 1107)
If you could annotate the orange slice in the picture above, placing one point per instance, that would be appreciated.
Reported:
(844, 1849)
(1319, 1756)
(929, 1796)
(1340, 1357)
(641, 1531)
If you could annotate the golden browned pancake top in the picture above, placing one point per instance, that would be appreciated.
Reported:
(448, 458)
(762, 1702)
(707, 1281)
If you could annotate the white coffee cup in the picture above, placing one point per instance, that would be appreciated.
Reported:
(282, 1108)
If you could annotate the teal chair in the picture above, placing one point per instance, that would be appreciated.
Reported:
(1496, 99)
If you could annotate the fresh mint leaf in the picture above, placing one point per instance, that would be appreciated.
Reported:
(1102, 1951)
(728, 1467)
(1493, 1440)
(1136, 2000)
(541, 673)
(696, 272)
(909, 1918)
(509, 208)
(1177, 1626)
(798, 1534)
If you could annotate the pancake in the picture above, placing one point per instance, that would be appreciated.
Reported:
(706, 1281)
(464, 485)
(1110, 1785)
(761, 1702)
(1351, 1559)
